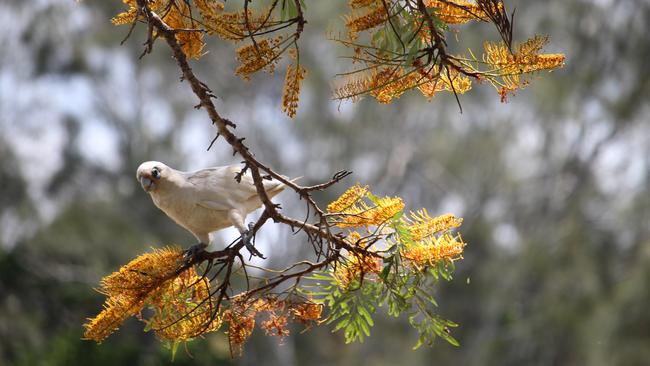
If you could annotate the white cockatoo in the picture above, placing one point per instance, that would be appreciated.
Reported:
(205, 200)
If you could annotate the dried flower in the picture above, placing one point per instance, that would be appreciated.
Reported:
(357, 264)
(240, 328)
(307, 312)
(276, 325)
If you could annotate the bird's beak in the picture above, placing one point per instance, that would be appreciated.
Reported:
(147, 184)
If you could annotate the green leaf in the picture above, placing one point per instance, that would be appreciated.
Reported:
(366, 315)
(386, 271)
(366, 330)
(292, 10)
(412, 53)
(174, 349)
(419, 343)
(342, 324)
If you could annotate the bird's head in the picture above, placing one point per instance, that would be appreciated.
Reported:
(151, 173)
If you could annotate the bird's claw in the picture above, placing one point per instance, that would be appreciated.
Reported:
(193, 251)
(247, 237)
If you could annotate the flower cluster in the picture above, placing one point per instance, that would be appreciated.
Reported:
(348, 198)
(176, 14)
(356, 267)
(184, 309)
(421, 225)
(369, 19)
(418, 237)
(291, 93)
(307, 312)
(267, 32)
(358, 208)
(131, 288)
(457, 11)
(241, 317)
(431, 250)
(407, 50)
(260, 55)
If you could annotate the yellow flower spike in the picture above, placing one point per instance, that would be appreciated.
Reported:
(126, 17)
(386, 208)
(231, 26)
(261, 55)
(355, 212)
(360, 22)
(456, 11)
(129, 16)
(143, 274)
(432, 250)
(356, 4)
(421, 225)
(291, 92)
(152, 279)
(179, 17)
(525, 59)
(209, 8)
(348, 198)
(389, 83)
(116, 311)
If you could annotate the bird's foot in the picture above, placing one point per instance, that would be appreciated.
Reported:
(247, 238)
(193, 251)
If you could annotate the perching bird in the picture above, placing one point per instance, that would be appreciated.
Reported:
(206, 200)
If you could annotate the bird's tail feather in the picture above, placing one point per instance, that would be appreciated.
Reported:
(280, 187)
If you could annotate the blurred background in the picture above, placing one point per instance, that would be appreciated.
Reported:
(554, 185)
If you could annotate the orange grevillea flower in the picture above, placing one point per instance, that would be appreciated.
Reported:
(421, 225)
(457, 11)
(432, 250)
(130, 288)
(306, 312)
(348, 198)
(346, 273)
(372, 18)
(526, 57)
(255, 56)
(291, 92)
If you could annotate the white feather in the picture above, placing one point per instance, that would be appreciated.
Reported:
(205, 200)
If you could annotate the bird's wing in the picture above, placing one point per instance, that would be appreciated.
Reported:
(216, 188)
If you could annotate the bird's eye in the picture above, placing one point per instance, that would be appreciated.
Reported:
(155, 173)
